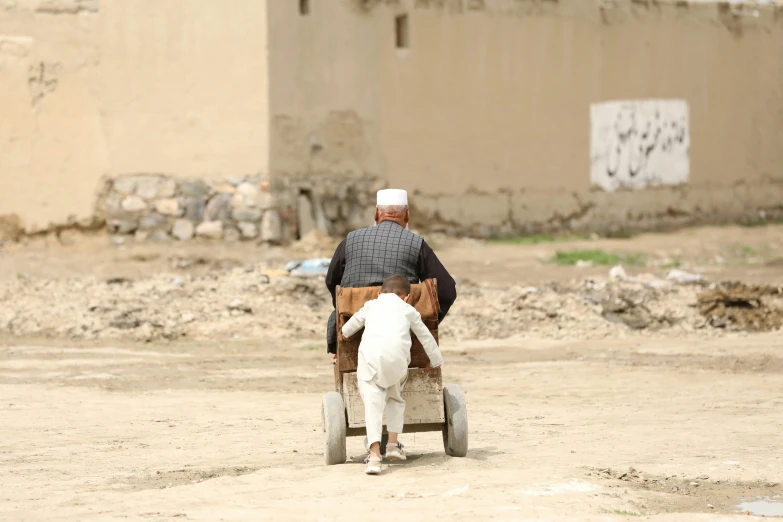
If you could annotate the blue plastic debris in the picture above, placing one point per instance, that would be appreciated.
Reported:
(309, 267)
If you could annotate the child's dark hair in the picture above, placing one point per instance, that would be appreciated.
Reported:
(396, 284)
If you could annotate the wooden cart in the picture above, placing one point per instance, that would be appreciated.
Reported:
(429, 406)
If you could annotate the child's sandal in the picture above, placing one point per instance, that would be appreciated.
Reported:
(395, 452)
(373, 465)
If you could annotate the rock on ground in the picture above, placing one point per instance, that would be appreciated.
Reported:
(210, 229)
(133, 204)
(183, 229)
(248, 230)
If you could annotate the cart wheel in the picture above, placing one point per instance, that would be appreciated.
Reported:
(333, 417)
(384, 442)
(455, 429)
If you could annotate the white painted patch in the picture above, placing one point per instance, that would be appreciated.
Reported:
(638, 144)
(38, 375)
(45, 350)
(264, 373)
(456, 491)
(97, 376)
(575, 486)
(762, 508)
(40, 364)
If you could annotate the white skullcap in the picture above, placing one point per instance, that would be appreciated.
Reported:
(392, 198)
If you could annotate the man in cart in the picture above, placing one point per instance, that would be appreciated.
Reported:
(370, 255)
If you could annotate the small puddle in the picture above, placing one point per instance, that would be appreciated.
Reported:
(762, 508)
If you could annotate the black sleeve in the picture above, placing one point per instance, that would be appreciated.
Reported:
(335, 273)
(431, 267)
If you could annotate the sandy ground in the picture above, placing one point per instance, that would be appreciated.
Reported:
(669, 424)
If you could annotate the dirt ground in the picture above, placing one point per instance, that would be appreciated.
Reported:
(171, 382)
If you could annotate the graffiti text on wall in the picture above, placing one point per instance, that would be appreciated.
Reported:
(637, 144)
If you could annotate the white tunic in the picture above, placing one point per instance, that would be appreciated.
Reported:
(385, 350)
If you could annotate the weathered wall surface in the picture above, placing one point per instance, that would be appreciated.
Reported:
(325, 156)
(490, 113)
(184, 86)
(52, 146)
(486, 115)
(323, 92)
(112, 88)
(497, 115)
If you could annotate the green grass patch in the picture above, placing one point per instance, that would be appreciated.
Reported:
(747, 251)
(674, 263)
(535, 239)
(754, 223)
(597, 257)
(621, 233)
(310, 347)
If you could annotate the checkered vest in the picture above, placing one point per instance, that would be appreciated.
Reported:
(375, 253)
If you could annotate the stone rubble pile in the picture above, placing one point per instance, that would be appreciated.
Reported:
(245, 303)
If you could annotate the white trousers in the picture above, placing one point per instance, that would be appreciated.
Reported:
(376, 400)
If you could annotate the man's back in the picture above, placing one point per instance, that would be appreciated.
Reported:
(369, 255)
(375, 253)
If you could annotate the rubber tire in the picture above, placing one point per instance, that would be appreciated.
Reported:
(384, 442)
(455, 429)
(335, 426)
